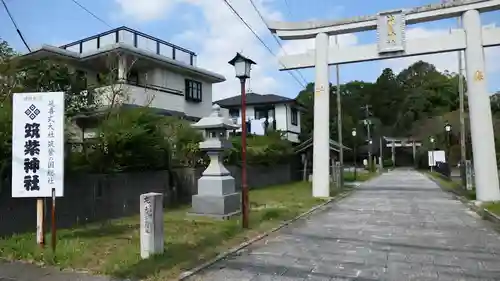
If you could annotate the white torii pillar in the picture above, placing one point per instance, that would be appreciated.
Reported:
(321, 133)
(393, 154)
(414, 151)
(483, 142)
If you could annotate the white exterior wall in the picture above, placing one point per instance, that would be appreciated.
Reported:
(281, 117)
(294, 130)
(283, 120)
(160, 99)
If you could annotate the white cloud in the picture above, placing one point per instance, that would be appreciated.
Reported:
(445, 61)
(222, 34)
(225, 35)
(145, 10)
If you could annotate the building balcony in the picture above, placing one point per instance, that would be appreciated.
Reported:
(133, 38)
(142, 95)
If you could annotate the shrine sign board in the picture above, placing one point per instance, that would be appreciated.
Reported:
(391, 32)
(38, 144)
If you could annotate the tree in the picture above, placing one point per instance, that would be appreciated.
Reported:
(402, 105)
(129, 140)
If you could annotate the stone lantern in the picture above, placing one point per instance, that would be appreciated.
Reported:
(217, 196)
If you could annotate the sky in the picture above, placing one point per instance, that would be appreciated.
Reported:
(210, 29)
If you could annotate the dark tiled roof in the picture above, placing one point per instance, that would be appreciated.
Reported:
(253, 98)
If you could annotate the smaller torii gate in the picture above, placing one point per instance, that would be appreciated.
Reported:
(402, 142)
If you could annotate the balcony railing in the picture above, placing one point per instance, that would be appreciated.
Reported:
(134, 38)
(155, 87)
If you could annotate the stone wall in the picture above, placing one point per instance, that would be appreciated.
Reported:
(90, 198)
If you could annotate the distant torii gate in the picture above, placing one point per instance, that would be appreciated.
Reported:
(392, 44)
(402, 142)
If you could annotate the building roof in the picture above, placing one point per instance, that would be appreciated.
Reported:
(48, 51)
(400, 139)
(254, 99)
(155, 110)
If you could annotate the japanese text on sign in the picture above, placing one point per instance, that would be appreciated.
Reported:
(148, 215)
(391, 32)
(50, 144)
(38, 144)
(32, 150)
(478, 76)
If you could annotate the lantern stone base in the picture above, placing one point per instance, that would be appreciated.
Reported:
(216, 197)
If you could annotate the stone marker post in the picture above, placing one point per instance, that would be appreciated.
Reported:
(469, 180)
(338, 172)
(151, 205)
(217, 196)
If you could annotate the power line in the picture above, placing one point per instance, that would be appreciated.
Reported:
(92, 14)
(260, 39)
(274, 37)
(15, 25)
(288, 7)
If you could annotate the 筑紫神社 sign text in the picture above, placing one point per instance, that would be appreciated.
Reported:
(38, 144)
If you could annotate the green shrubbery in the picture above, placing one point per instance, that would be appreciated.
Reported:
(140, 140)
(387, 163)
(261, 150)
(126, 140)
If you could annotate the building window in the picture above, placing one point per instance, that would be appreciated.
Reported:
(295, 117)
(133, 77)
(193, 91)
(261, 112)
(81, 79)
(234, 112)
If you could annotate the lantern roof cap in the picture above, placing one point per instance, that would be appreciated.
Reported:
(215, 121)
(239, 57)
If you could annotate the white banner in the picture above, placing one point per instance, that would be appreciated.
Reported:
(436, 156)
(38, 144)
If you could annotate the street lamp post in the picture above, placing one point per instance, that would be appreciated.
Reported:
(447, 128)
(242, 66)
(354, 150)
(370, 160)
(431, 139)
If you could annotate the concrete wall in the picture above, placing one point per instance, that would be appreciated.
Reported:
(90, 198)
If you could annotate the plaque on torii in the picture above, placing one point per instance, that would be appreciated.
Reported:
(391, 31)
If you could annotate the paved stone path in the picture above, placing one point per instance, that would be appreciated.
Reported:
(397, 227)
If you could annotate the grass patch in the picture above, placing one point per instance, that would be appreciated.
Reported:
(112, 248)
(360, 176)
(493, 207)
(453, 186)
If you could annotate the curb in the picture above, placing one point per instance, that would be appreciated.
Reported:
(190, 273)
(484, 213)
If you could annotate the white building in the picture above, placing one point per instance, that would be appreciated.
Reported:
(283, 113)
(149, 71)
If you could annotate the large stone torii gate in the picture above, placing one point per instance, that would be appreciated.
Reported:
(392, 43)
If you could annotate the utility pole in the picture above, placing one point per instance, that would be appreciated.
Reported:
(463, 151)
(339, 120)
(368, 123)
